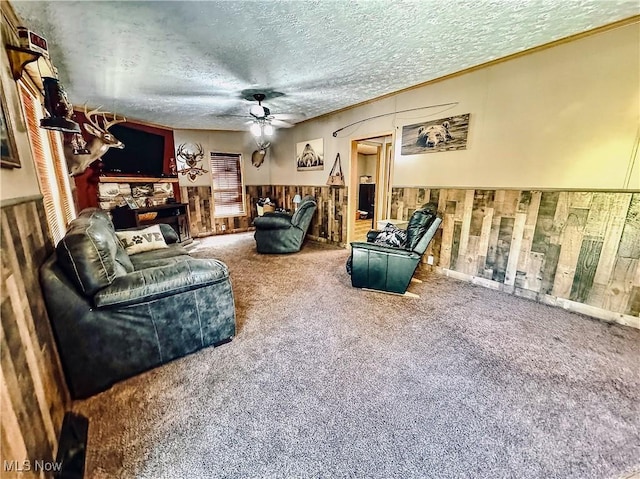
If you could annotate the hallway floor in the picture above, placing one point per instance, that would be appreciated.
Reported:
(361, 229)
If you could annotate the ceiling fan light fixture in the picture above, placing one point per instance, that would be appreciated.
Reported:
(258, 111)
(268, 129)
(255, 129)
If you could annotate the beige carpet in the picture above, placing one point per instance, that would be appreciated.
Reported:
(327, 381)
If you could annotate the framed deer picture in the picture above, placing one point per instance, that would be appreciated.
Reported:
(10, 157)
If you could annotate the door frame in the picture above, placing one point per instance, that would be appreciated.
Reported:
(384, 169)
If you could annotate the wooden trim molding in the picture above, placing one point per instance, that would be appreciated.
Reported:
(20, 200)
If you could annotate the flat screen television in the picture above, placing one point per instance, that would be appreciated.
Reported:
(143, 153)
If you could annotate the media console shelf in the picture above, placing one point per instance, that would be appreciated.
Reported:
(173, 214)
(137, 179)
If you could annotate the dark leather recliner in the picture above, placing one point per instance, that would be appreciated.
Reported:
(390, 269)
(283, 233)
(115, 315)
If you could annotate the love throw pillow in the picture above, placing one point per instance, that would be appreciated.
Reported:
(142, 240)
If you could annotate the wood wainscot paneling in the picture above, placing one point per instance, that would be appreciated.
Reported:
(575, 249)
(200, 212)
(33, 391)
(329, 224)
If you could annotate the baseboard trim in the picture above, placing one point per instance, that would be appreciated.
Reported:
(320, 239)
(406, 294)
(573, 306)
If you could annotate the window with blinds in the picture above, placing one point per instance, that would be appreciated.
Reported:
(62, 176)
(228, 185)
(48, 157)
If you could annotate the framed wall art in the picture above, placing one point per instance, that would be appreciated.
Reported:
(310, 155)
(9, 158)
(445, 134)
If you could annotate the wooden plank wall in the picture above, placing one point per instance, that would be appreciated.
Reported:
(33, 391)
(329, 224)
(576, 245)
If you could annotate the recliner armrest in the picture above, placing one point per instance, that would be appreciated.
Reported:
(384, 249)
(273, 222)
(169, 234)
(160, 281)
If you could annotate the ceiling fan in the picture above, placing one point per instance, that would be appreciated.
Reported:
(263, 121)
(262, 127)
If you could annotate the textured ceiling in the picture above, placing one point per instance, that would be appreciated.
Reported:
(189, 64)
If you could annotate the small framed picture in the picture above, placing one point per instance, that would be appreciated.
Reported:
(9, 157)
(131, 202)
(310, 155)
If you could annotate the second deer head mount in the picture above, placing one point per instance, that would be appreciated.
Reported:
(101, 140)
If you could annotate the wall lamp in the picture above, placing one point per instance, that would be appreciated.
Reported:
(33, 56)
(58, 107)
(296, 201)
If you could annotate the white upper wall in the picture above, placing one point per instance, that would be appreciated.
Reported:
(224, 142)
(564, 117)
(367, 165)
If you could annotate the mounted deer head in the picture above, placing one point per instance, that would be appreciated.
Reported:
(100, 142)
(257, 158)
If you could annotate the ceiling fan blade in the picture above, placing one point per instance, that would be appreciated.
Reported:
(290, 117)
(257, 112)
(281, 124)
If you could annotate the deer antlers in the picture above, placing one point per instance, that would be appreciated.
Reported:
(190, 157)
(78, 159)
(92, 118)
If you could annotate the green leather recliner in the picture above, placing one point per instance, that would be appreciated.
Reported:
(390, 269)
(283, 233)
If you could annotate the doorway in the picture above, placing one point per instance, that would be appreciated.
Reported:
(370, 167)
